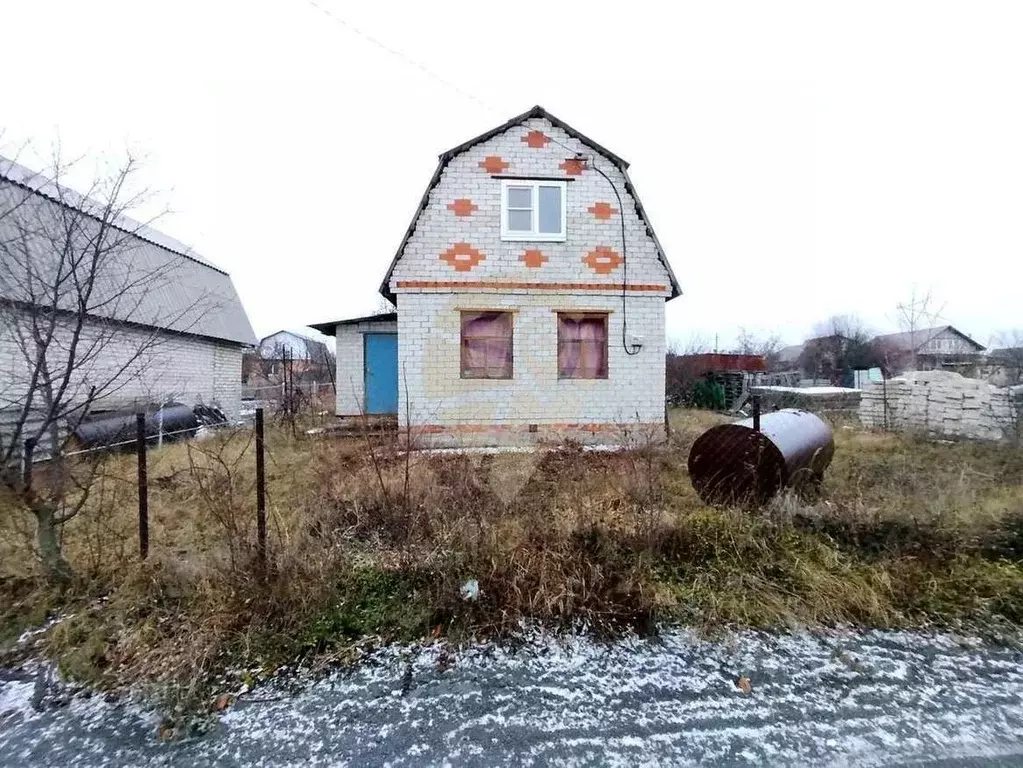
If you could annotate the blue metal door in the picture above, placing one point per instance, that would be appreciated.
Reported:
(380, 355)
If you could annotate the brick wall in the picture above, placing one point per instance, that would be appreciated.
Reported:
(943, 404)
(456, 260)
(189, 369)
(429, 366)
(440, 227)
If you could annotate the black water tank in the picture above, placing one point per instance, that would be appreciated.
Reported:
(113, 428)
(733, 463)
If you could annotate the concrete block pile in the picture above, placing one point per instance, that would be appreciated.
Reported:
(943, 404)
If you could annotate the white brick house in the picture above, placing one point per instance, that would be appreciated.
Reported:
(521, 313)
(161, 323)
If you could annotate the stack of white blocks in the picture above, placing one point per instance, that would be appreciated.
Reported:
(943, 404)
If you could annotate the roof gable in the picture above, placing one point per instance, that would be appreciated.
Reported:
(536, 112)
(908, 341)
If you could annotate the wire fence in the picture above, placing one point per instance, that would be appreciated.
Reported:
(107, 447)
(749, 460)
(142, 441)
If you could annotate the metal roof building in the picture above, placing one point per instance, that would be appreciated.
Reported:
(80, 260)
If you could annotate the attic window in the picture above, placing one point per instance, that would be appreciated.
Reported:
(533, 210)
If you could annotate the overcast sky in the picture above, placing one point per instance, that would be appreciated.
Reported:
(798, 160)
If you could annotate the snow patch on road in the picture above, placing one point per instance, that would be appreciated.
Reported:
(841, 698)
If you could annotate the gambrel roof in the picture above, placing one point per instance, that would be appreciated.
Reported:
(535, 112)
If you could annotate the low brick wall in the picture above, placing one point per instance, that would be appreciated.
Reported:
(943, 404)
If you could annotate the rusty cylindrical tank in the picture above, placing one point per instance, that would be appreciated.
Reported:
(733, 463)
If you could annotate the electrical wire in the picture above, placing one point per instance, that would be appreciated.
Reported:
(403, 56)
(466, 94)
(625, 259)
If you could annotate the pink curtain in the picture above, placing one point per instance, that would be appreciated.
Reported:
(582, 346)
(487, 345)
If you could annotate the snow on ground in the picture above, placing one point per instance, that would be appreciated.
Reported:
(842, 699)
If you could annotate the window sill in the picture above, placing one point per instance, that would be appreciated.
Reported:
(510, 238)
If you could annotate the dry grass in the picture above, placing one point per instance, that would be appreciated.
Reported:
(904, 532)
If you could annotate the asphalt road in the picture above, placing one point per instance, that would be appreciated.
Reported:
(845, 699)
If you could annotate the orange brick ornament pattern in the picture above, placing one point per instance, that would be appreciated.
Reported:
(533, 258)
(602, 210)
(573, 167)
(463, 207)
(535, 139)
(602, 260)
(462, 256)
(494, 164)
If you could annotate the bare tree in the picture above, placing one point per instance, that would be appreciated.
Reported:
(913, 315)
(696, 344)
(841, 343)
(81, 312)
(749, 343)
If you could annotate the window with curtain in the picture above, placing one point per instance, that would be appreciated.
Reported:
(582, 346)
(487, 345)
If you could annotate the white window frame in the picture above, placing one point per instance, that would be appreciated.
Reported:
(534, 235)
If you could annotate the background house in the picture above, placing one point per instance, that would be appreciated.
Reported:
(159, 322)
(516, 318)
(831, 359)
(308, 352)
(302, 359)
(926, 349)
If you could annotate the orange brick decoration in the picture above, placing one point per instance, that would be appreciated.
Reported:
(602, 260)
(535, 139)
(602, 210)
(573, 167)
(463, 206)
(499, 285)
(533, 259)
(462, 256)
(494, 164)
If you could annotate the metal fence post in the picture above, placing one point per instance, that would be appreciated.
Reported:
(756, 413)
(140, 452)
(260, 492)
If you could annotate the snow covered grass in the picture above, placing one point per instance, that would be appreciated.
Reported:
(366, 541)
